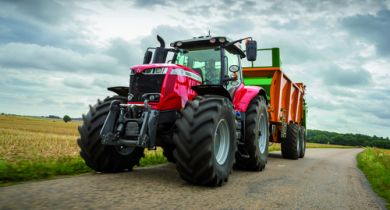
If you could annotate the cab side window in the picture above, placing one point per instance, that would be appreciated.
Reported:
(232, 59)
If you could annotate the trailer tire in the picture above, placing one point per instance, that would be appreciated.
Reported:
(303, 142)
(101, 157)
(256, 137)
(205, 141)
(290, 145)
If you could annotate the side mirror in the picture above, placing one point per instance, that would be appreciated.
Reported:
(234, 68)
(147, 57)
(251, 50)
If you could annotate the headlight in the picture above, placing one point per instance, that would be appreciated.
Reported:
(221, 39)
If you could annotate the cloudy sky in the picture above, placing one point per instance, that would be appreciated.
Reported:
(56, 57)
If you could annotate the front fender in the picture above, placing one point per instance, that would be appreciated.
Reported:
(244, 95)
(120, 90)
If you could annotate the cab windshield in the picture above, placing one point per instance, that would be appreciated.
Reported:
(205, 61)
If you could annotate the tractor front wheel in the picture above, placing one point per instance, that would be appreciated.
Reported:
(100, 157)
(205, 141)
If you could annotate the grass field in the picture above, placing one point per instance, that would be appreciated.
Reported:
(276, 147)
(375, 164)
(36, 148)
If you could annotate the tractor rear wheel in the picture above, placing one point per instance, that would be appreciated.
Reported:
(100, 157)
(303, 142)
(256, 137)
(291, 145)
(205, 141)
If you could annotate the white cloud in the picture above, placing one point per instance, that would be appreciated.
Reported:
(19, 56)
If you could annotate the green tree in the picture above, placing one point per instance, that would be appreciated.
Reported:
(66, 118)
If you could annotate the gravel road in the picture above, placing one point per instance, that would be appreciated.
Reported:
(324, 179)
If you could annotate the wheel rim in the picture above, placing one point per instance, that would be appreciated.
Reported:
(262, 134)
(124, 150)
(221, 142)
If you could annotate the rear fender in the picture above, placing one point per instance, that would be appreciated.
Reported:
(212, 89)
(245, 94)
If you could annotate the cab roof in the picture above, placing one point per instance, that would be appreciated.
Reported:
(207, 42)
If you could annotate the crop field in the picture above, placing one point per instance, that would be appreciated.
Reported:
(34, 148)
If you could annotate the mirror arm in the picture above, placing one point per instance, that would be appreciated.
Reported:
(238, 40)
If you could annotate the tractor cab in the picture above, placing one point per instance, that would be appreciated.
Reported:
(216, 59)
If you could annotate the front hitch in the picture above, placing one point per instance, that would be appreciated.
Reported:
(120, 130)
(107, 131)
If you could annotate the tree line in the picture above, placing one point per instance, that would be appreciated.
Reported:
(326, 137)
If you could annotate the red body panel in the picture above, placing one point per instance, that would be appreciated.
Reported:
(243, 96)
(176, 89)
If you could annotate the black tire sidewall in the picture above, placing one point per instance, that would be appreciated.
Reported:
(303, 141)
(289, 145)
(263, 113)
(227, 113)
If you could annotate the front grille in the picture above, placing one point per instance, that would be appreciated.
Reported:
(145, 83)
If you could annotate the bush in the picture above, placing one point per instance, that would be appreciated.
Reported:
(66, 118)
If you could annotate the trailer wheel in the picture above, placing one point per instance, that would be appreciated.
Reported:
(100, 157)
(205, 141)
(291, 145)
(303, 142)
(256, 137)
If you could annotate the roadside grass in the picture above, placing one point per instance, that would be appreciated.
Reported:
(375, 164)
(25, 170)
(317, 145)
(276, 146)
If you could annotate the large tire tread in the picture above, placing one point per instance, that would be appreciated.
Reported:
(303, 142)
(100, 157)
(256, 161)
(289, 145)
(194, 157)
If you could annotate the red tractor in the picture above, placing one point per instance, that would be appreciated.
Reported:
(194, 105)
